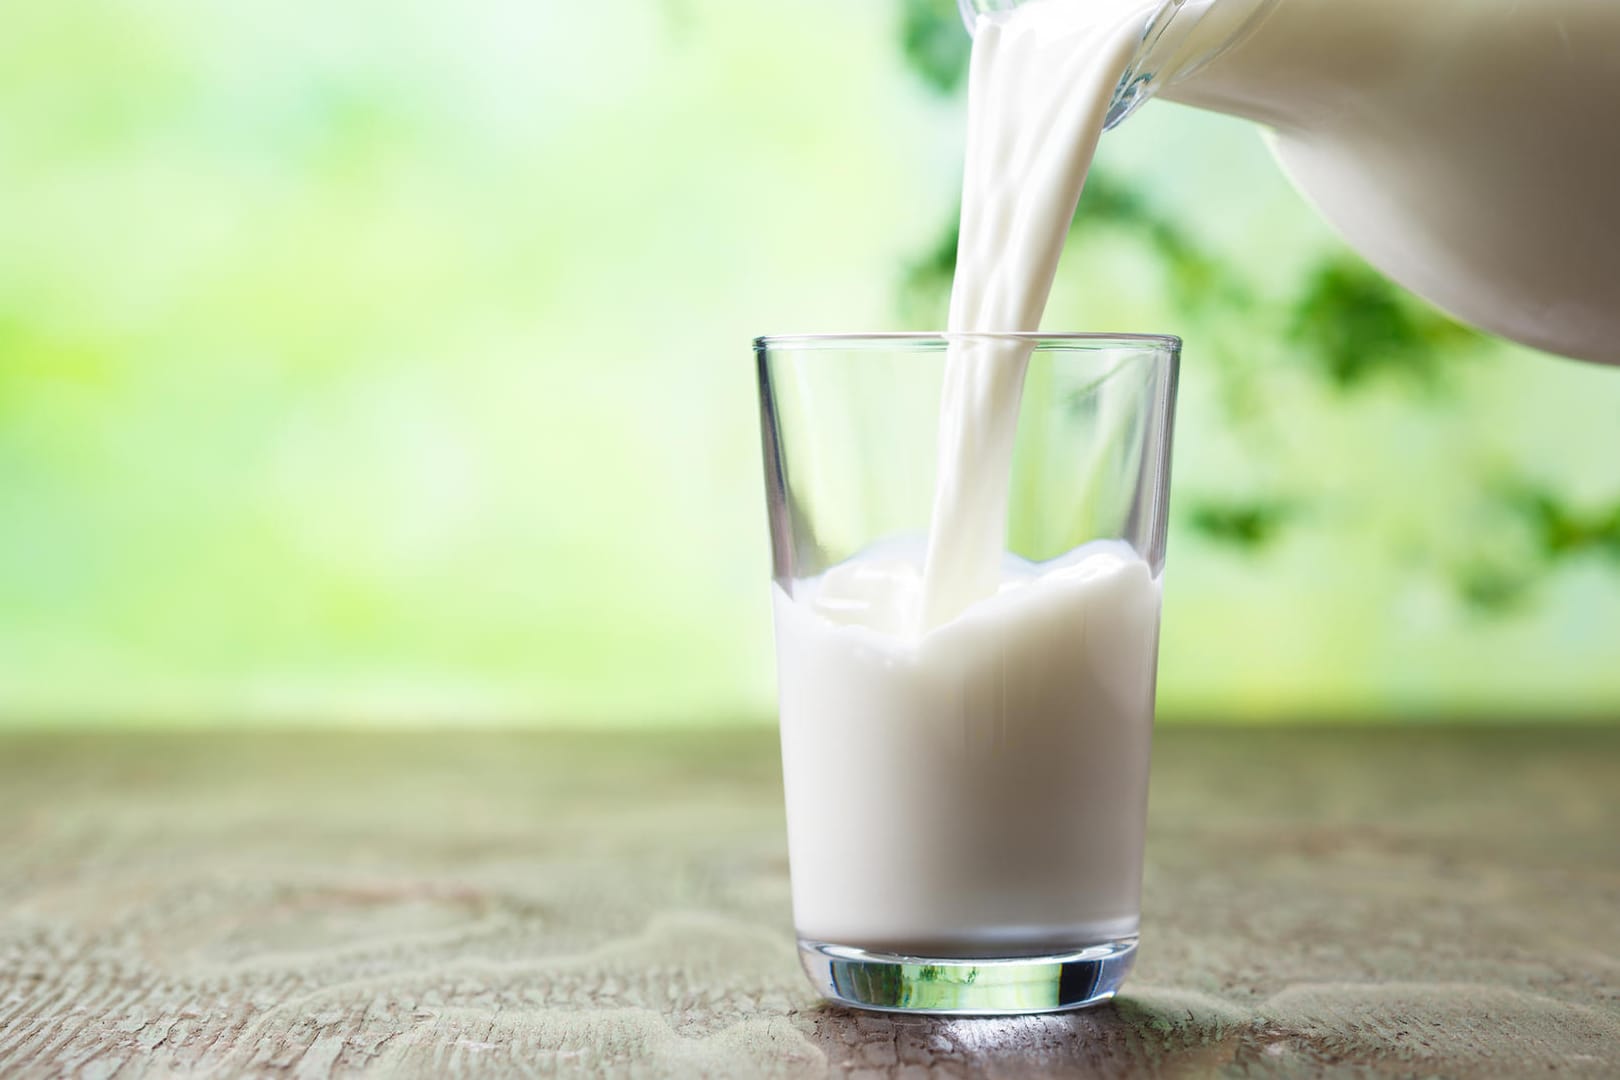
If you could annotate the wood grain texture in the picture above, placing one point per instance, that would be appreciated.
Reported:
(1374, 903)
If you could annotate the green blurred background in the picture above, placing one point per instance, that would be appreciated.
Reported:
(388, 363)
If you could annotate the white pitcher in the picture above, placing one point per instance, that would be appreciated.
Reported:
(1470, 149)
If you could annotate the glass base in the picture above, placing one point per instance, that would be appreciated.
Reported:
(973, 987)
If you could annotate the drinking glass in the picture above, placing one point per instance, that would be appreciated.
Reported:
(966, 800)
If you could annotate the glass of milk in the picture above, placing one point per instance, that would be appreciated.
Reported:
(968, 534)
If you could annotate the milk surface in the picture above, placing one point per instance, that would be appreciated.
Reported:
(965, 735)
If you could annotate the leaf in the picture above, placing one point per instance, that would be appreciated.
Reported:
(1354, 324)
(1491, 589)
(935, 42)
(925, 288)
(1246, 525)
(1562, 531)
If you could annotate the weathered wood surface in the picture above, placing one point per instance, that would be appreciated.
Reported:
(1419, 903)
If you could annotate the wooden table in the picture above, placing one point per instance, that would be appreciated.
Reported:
(1364, 903)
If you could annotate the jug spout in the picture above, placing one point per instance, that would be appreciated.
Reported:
(1179, 38)
(972, 9)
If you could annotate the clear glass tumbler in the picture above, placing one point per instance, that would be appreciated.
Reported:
(967, 793)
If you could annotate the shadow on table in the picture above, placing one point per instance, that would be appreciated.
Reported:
(1120, 1037)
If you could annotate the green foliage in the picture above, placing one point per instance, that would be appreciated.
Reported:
(935, 43)
(1245, 525)
(1352, 324)
(1494, 589)
(1562, 531)
(925, 284)
(1537, 533)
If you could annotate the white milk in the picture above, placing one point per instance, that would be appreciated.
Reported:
(981, 789)
(965, 736)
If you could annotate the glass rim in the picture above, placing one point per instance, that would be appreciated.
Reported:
(935, 339)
